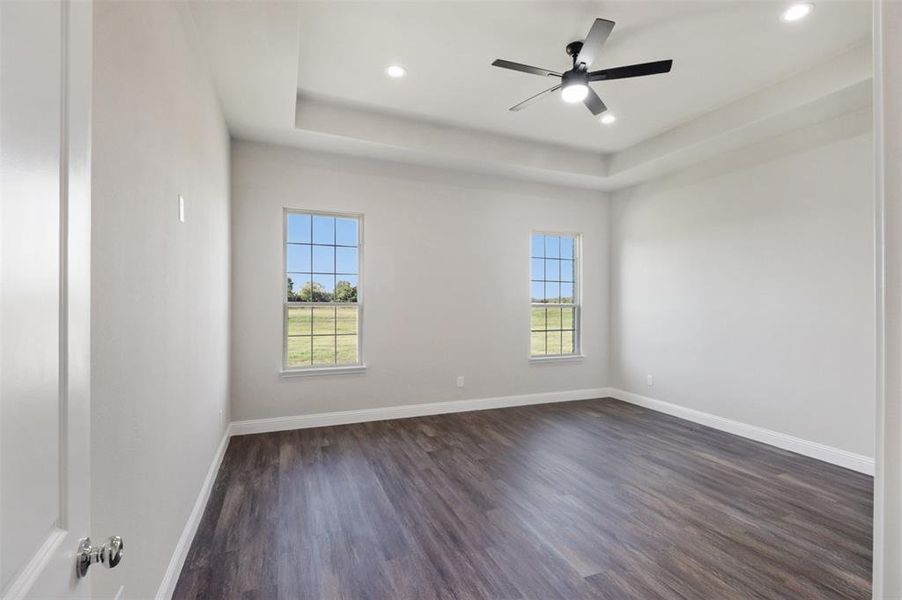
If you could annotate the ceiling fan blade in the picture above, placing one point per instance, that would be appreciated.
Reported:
(506, 64)
(649, 68)
(532, 99)
(594, 103)
(598, 35)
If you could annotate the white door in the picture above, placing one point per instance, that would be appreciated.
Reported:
(45, 223)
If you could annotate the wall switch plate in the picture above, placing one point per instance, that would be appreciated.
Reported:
(181, 209)
(460, 381)
(650, 379)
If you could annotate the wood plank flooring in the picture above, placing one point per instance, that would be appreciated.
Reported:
(591, 499)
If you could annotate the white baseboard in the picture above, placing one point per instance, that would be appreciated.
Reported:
(171, 577)
(843, 458)
(409, 410)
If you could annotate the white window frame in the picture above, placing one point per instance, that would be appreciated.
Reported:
(576, 304)
(360, 365)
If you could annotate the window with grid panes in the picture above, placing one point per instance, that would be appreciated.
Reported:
(554, 291)
(323, 305)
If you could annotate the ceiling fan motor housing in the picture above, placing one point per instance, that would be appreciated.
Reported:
(576, 76)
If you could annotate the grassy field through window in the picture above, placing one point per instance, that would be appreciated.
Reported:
(322, 335)
(552, 330)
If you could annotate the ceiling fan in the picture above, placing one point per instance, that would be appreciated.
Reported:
(574, 83)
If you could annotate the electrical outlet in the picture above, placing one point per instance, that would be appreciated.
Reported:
(650, 379)
(460, 381)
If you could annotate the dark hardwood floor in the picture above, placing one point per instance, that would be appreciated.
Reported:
(592, 499)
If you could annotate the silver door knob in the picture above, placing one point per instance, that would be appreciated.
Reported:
(109, 554)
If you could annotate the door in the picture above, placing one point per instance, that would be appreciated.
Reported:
(45, 93)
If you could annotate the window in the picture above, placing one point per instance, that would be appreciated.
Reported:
(323, 305)
(554, 285)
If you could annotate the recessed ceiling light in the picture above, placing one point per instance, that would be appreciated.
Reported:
(395, 71)
(607, 118)
(797, 11)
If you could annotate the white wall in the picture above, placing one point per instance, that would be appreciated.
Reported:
(160, 288)
(750, 295)
(446, 282)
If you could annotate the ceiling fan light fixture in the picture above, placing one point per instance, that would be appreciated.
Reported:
(574, 85)
(797, 12)
(575, 92)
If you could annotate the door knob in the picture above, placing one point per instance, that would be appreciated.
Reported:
(109, 553)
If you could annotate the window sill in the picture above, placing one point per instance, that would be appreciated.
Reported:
(322, 371)
(556, 359)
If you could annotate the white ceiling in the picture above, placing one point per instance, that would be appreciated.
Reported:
(722, 51)
(309, 74)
